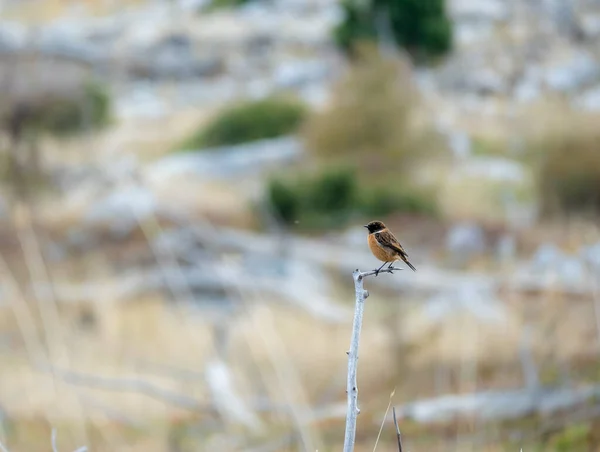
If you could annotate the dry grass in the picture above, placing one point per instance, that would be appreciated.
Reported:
(568, 166)
(275, 352)
(42, 11)
(147, 139)
(295, 360)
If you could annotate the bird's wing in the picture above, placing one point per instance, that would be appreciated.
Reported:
(387, 240)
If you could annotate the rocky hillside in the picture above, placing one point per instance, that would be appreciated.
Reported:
(510, 54)
(506, 52)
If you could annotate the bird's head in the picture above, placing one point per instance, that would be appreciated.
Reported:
(375, 226)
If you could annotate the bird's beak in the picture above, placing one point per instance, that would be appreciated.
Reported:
(366, 226)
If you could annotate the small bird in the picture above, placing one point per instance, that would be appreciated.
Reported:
(385, 246)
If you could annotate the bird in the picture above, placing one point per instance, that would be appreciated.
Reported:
(385, 246)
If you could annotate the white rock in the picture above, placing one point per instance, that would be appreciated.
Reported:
(572, 272)
(460, 144)
(13, 36)
(470, 34)
(69, 42)
(506, 248)
(547, 257)
(480, 10)
(528, 88)
(122, 210)
(316, 95)
(497, 405)
(591, 255)
(589, 100)
(140, 101)
(465, 241)
(476, 72)
(172, 57)
(590, 25)
(580, 70)
(297, 73)
(192, 5)
(477, 300)
(499, 169)
(227, 162)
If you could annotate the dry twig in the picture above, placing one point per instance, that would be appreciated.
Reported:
(53, 440)
(397, 430)
(351, 387)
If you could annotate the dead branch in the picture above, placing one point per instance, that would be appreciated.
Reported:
(351, 387)
(133, 386)
(398, 435)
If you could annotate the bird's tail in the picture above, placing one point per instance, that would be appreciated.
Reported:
(410, 265)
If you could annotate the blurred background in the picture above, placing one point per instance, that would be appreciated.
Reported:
(183, 186)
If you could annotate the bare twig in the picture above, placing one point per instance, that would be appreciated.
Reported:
(375, 272)
(387, 410)
(2, 448)
(397, 430)
(595, 272)
(351, 387)
(133, 386)
(53, 439)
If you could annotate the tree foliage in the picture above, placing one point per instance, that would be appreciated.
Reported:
(419, 26)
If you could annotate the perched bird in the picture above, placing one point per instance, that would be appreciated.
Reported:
(385, 246)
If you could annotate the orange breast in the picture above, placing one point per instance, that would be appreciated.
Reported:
(379, 252)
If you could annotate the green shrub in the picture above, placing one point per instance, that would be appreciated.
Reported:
(333, 191)
(372, 120)
(249, 121)
(381, 201)
(315, 201)
(47, 98)
(284, 201)
(334, 197)
(90, 110)
(488, 147)
(354, 27)
(420, 26)
(217, 4)
(572, 439)
(568, 163)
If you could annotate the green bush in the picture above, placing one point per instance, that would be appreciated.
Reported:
(572, 439)
(315, 201)
(333, 191)
(284, 201)
(249, 121)
(218, 4)
(381, 201)
(49, 98)
(568, 162)
(419, 26)
(68, 116)
(333, 197)
(354, 28)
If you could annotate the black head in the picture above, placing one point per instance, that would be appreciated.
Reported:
(374, 226)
